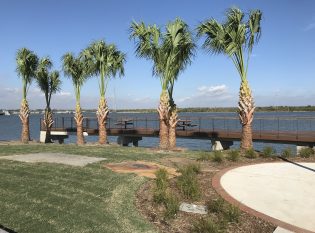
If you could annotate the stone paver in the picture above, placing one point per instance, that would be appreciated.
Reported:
(73, 160)
(192, 208)
(280, 190)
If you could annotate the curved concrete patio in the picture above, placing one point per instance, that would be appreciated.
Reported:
(282, 193)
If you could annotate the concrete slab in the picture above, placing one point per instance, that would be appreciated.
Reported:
(282, 230)
(3, 231)
(73, 160)
(282, 191)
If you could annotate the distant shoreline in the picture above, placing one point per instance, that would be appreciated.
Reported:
(308, 108)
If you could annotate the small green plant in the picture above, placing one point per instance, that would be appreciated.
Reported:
(217, 156)
(216, 205)
(268, 151)
(232, 213)
(206, 226)
(205, 156)
(250, 153)
(286, 152)
(306, 152)
(161, 184)
(171, 204)
(187, 183)
(233, 155)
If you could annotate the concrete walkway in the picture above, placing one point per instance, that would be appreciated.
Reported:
(67, 159)
(282, 191)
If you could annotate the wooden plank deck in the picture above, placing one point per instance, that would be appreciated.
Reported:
(286, 137)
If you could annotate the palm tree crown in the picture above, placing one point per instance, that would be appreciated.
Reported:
(75, 69)
(104, 60)
(233, 37)
(26, 66)
(170, 52)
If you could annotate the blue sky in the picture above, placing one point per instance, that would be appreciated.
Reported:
(281, 70)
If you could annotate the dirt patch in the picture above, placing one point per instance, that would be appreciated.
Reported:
(73, 160)
(141, 168)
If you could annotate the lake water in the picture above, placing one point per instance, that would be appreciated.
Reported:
(10, 127)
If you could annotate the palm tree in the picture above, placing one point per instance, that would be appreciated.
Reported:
(26, 66)
(106, 61)
(170, 53)
(49, 83)
(234, 38)
(75, 69)
(149, 45)
(180, 48)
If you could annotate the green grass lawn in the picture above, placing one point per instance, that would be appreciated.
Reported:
(57, 198)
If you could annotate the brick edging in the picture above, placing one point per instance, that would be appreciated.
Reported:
(216, 184)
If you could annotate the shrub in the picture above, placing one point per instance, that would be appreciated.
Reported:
(216, 205)
(287, 152)
(161, 178)
(217, 156)
(161, 183)
(187, 183)
(171, 204)
(233, 155)
(232, 213)
(250, 153)
(268, 151)
(205, 157)
(306, 152)
(205, 225)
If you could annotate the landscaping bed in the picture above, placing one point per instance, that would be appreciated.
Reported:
(219, 217)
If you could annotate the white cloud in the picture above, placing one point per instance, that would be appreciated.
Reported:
(212, 90)
(63, 93)
(310, 26)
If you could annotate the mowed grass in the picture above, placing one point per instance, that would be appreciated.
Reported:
(47, 197)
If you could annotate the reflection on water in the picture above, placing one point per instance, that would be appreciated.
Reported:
(10, 127)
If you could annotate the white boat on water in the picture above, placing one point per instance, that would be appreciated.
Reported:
(5, 112)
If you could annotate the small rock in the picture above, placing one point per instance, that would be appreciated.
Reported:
(192, 208)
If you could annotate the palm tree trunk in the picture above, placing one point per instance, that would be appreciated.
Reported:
(79, 121)
(172, 126)
(24, 116)
(163, 111)
(246, 114)
(102, 114)
(48, 122)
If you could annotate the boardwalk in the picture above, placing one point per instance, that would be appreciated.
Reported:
(298, 131)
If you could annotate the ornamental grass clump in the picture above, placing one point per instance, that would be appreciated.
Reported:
(232, 213)
(217, 156)
(206, 156)
(250, 153)
(216, 205)
(161, 184)
(206, 225)
(233, 155)
(268, 151)
(286, 152)
(306, 152)
(171, 204)
(187, 183)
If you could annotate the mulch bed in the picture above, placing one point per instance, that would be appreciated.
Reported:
(183, 222)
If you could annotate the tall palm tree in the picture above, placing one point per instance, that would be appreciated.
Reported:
(170, 53)
(180, 48)
(103, 60)
(49, 83)
(74, 68)
(236, 38)
(26, 66)
(149, 45)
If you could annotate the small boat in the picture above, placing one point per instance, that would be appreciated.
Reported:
(7, 113)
